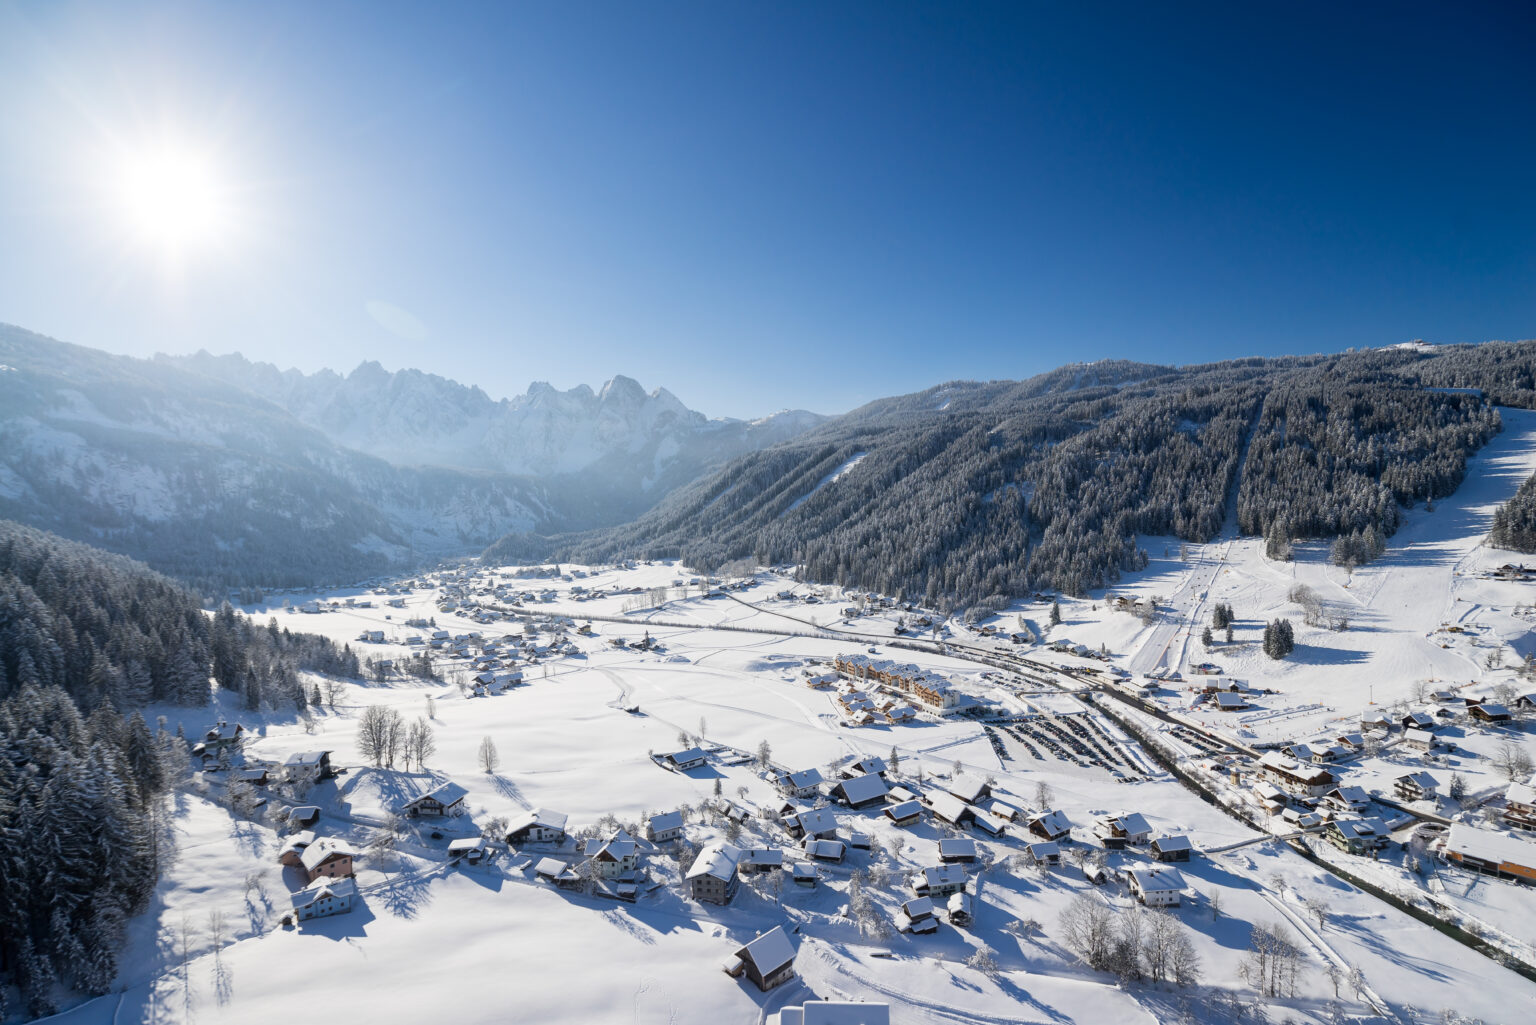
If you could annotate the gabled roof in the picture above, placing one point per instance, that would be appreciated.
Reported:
(616, 848)
(445, 794)
(817, 820)
(1044, 849)
(1133, 824)
(693, 754)
(761, 857)
(918, 907)
(1172, 843)
(718, 860)
(944, 875)
(957, 847)
(1350, 794)
(1520, 793)
(769, 952)
(468, 843)
(947, 806)
(801, 780)
(1157, 880)
(1053, 822)
(300, 840)
(305, 759)
(831, 849)
(967, 787)
(906, 809)
(868, 787)
(320, 888)
(665, 821)
(1422, 780)
(538, 817)
(870, 763)
(316, 853)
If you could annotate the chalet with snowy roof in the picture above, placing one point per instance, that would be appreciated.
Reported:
(1117, 831)
(946, 807)
(1352, 742)
(804, 873)
(223, 737)
(861, 791)
(292, 853)
(303, 816)
(918, 916)
(681, 761)
(665, 827)
(613, 858)
(1045, 852)
(1417, 721)
(1346, 799)
(1356, 836)
(969, 789)
(537, 825)
(1156, 887)
(1490, 712)
(1416, 786)
(332, 858)
(867, 764)
(1520, 806)
(799, 784)
(957, 850)
(324, 897)
(907, 813)
(759, 859)
(939, 881)
(713, 878)
(1226, 701)
(767, 961)
(962, 909)
(557, 873)
(825, 850)
(471, 850)
(443, 800)
(311, 766)
(816, 824)
(1050, 825)
(1375, 721)
(1419, 740)
(1172, 848)
(1295, 778)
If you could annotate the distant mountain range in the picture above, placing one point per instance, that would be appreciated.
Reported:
(223, 471)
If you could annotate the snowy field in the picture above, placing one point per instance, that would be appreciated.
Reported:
(492, 943)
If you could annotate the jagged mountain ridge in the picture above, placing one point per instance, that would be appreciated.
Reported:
(409, 417)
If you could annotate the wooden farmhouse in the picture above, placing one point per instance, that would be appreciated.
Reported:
(1495, 854)
(1520, 806)
(861, 791)
(768, 960)
(537, 825)
(1172, 848)
(441, 801)
(665, 827)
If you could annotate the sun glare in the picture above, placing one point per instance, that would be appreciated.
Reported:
(171, 198)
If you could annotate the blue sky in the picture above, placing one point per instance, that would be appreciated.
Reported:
(762, 206)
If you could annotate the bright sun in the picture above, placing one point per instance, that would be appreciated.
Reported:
(172, 198)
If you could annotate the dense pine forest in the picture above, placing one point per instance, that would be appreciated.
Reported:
(84, 637)
(1514, 522)
(971, 490)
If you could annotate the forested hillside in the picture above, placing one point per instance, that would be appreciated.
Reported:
(83, 635)
(968, 490)
(1514, 522)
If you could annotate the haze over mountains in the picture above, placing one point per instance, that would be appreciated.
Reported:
(222, 471)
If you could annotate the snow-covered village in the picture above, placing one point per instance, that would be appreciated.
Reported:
(794, 514)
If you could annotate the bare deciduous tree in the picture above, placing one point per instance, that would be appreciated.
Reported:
(376, 731)
(490, 760)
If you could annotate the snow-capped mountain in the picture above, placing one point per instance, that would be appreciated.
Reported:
(215, 469)
(411, 418)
